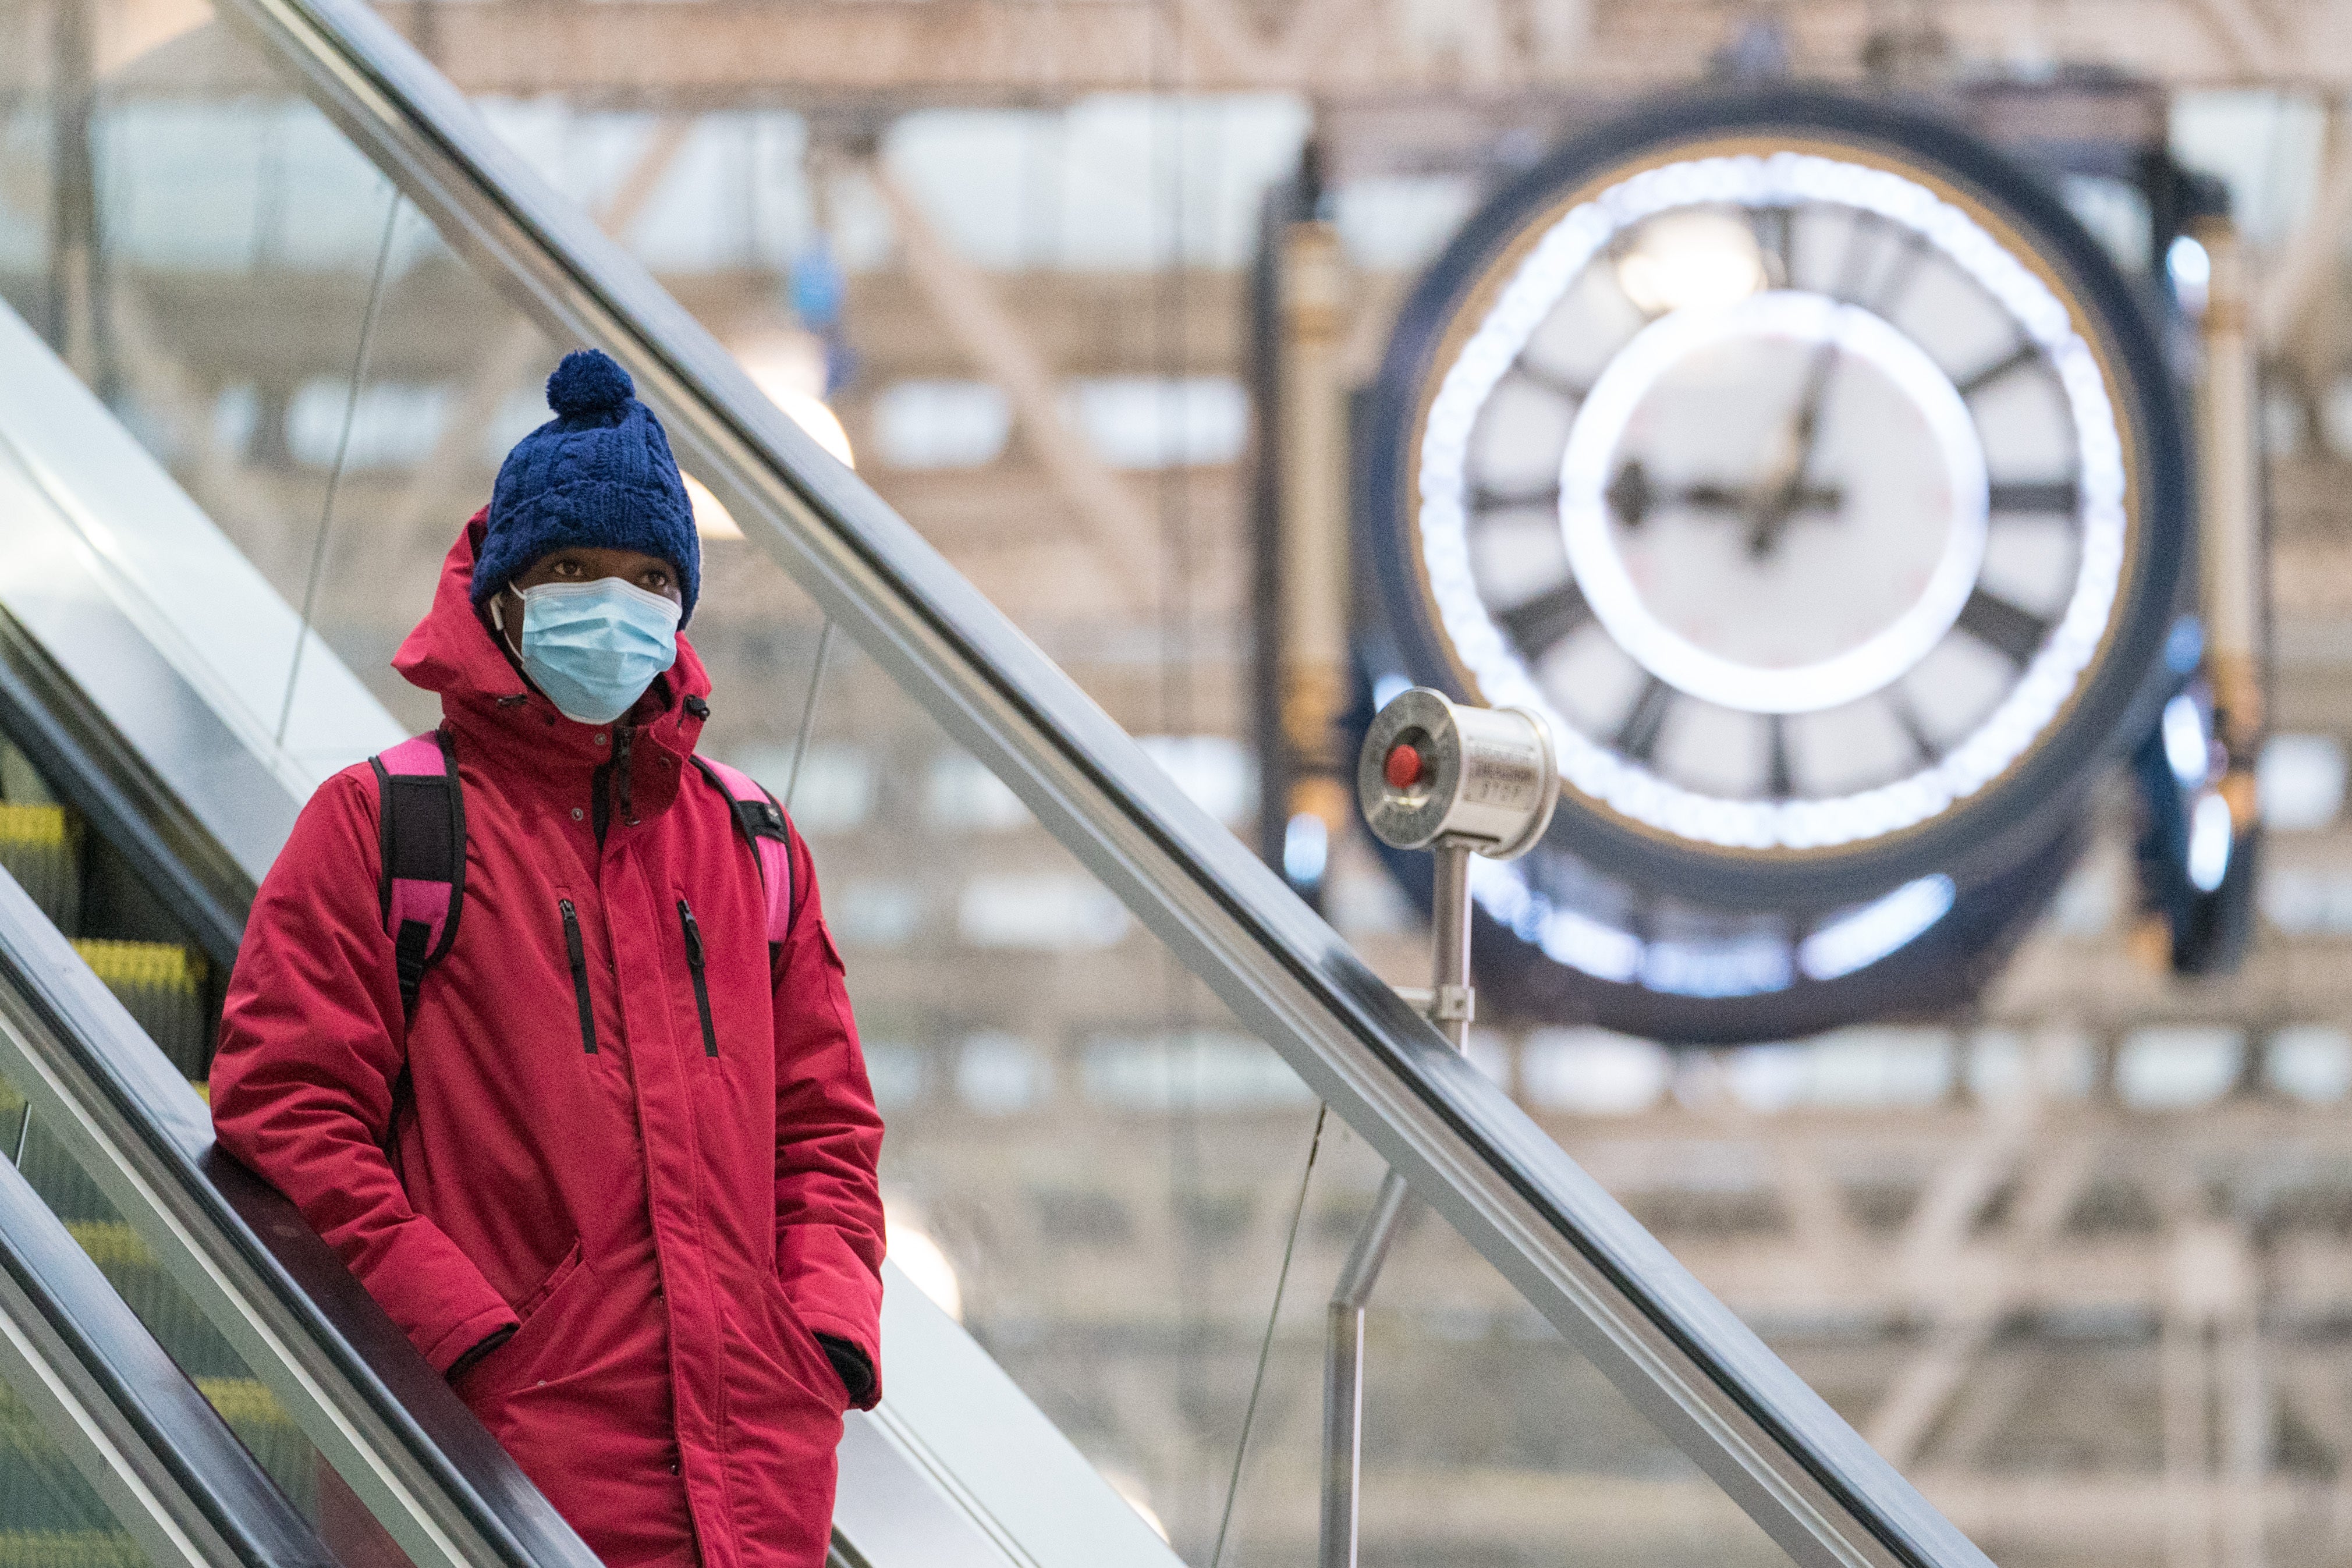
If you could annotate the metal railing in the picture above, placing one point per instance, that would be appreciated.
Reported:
(1458, 1142)
(389, 1423)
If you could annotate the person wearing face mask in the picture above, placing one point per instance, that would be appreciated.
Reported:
(587, 1114)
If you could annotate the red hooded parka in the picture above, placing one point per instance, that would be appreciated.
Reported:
(670, 1213)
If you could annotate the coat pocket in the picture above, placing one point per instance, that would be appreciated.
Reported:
(541, 1313)
(804, 1358)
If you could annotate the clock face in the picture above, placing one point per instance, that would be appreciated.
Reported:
(1805, 481)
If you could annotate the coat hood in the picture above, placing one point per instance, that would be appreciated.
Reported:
(492, 709)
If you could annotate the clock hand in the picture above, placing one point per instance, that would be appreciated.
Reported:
(1733, 498)
(1763, 499)
(1632, 496)
(1784, 491)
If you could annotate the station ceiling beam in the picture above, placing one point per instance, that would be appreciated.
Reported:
(885, 55)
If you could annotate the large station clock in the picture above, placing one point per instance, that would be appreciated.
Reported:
(1815, 473)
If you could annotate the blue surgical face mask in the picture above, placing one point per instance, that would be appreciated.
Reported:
(594, 647)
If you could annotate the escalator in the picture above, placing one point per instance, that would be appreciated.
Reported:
(136, 816)
(158, 746)
(112, 1455)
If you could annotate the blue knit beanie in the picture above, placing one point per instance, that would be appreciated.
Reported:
(599, 474)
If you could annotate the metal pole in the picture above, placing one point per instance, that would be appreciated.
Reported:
(76, 257)
(2231, 545)
(1312, 297)
(808, 713)
(1449, 912)
(1450, 1009)
(1343, 1374)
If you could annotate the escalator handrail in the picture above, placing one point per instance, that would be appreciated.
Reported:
(212, 1493)
(1684, 1359)
(282, 1296)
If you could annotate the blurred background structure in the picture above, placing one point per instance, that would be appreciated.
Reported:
(2076, 1255)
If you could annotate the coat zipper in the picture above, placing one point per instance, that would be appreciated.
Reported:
(578, 954)
(701, 984)
(624, 781)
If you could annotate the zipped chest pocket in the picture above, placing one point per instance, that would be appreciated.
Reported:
(694, 965)
(577, 951)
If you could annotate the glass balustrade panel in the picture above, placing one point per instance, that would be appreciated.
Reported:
(1089, 1162)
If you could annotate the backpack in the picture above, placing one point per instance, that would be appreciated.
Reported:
(421, 834)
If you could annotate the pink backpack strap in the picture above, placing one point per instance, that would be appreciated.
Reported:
(421, 833)
(761, 822)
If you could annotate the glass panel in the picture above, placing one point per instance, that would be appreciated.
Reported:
(253, 319)
(226, 1382)
(48, 1515)
(76, 238)
(1089, 1160)
(1099, 1168)
(160, 977)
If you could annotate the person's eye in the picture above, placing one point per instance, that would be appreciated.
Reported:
(656, 580)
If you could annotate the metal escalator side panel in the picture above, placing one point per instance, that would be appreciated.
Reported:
(1683, 1359)
(53, 721)
(957, 1466)
(147, 1441)
(393, 1428)
(159, 621)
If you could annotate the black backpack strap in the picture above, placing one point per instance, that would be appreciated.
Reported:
(421, 828)
(761, 823)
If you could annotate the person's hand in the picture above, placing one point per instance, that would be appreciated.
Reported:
(849, 1364)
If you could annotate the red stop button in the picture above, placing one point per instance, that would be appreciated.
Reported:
(1404, 767)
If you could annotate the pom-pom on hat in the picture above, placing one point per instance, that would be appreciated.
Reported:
(599, 474)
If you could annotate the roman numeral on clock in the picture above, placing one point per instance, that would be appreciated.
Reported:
(1913, 728)
(1776, 238)
(2057, 496)
(1997, 623)
(1546, 619)
(2017, 359)
(1637, 737)
(1549, 380)
(1895, 280)
(1483, 500)
(1779, 781)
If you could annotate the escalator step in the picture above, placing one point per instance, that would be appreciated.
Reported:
(54, 1173)
(48, 1519)
(60, 1180)
(20, 781)
(252, 1412)
(69, 1548)
(48, 1516)
(262, 1424)
(162, 984)
(30, 1462)
(41, 848)
(183, 1331)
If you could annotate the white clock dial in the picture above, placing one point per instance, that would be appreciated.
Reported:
(1790, 492)
(1842, 557)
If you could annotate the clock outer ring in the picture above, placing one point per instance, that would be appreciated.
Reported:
(2008, 818)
